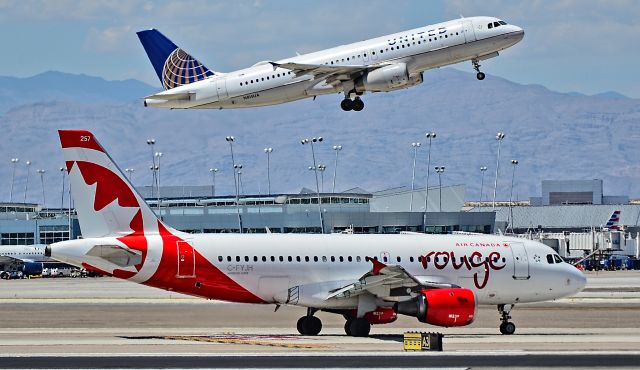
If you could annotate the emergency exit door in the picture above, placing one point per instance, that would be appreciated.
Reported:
(186, 260)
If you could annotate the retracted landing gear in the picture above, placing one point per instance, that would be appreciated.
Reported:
(506, 327)
(476, 65)
(357, 327)
(309, 324)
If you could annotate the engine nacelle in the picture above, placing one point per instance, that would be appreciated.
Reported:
(442, 307)
(381, 315)
(388, 78)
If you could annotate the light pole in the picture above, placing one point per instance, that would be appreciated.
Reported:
(41, 172)
(238, 169)
(337, 149)
(62, 171)
(499, 136)
(130, 172)
(231, 140)
(315, 167)
(26, 183)
(439, 171)
(415, 147)
(514, 163)
(430, 136)
(268, 151)
(151, 143)
(213, 181)
(157, 170)
(322, 168)
(14, 162)
(483, 169)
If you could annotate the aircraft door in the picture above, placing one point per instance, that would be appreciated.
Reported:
(221, 87)
(186, 260)
(469, 32)
(374, 56)
(520, 261)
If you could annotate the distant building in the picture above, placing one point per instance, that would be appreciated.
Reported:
(565, 192)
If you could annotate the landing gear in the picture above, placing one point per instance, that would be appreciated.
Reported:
(476, 65)
(506, 327)
(356, 104)
(309, 325)
(358, 327)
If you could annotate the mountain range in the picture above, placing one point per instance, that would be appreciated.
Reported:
(552, 135)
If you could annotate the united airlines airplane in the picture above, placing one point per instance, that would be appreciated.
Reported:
(367, 279)
(382, 64)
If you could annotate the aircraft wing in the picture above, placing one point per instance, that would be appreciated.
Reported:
(391, 282)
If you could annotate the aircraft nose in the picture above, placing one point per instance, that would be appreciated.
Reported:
(576, 279)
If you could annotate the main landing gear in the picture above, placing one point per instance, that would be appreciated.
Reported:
(476, 65)
(506, 327)
(357, 327)
(356, 104)
(309, 325)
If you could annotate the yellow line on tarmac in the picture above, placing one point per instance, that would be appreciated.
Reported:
(241, 341)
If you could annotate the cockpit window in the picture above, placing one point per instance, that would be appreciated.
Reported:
(557, 258)
(502, 23)
(549, 258)
(490, 26)
(496, 24)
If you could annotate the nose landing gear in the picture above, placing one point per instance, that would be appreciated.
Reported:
(476, 65)
(506, 327)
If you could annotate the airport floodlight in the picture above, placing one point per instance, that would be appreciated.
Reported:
(483, 169)
(151, 141)
(514, 161)
(430, 136)
(41, 172)
(213, 172)
(236, 183)
(337, 149)
(158, 154)
(315, 166)
(230, 139)
(499, 137)
(439, 171)
(26, 183)
(311, 168)
(14, 161)
(268, 150)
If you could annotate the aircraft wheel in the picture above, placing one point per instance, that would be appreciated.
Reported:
(507, 328)
(360, 327)
(309, 325)
(346, 105)
(480, 76)
(358, 104)
(347, 327)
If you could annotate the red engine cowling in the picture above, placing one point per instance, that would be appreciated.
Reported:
(381, 315)
(442, 307)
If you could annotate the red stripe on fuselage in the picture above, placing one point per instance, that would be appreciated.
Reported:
(79, 139)
(208, 282)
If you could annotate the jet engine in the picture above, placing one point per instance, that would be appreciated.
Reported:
(381, 315)
(388, 78)
(441, 307)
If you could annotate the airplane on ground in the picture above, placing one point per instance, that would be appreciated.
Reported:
(382, 64)
(368, 279)
(24, 259)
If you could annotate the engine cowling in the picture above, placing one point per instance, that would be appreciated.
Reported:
(442, 307)
(388, 78)
(381, 315)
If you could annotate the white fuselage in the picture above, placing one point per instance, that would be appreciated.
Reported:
(27, 253)
(500, 270)
(420, 49)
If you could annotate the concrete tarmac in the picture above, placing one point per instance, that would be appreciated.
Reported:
(105, 319)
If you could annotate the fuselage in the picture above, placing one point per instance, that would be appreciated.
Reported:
(419, 49)
(267, 268)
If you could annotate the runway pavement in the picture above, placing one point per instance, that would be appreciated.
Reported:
(104, 322)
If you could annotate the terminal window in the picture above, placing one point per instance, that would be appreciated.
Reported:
(573, 197)
(17, 239)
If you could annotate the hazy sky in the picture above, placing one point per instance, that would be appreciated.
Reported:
(587, 46)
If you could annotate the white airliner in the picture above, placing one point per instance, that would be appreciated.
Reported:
(24, 258)
(382, 64)
(368, 279)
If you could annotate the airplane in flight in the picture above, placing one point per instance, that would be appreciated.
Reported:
(368, 279)
(24, 259)
(382, 64)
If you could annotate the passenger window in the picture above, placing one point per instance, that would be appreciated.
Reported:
(419, 258)
(398, 258)
(220, 258)
(315, 258)
(246, 258)
(349, 259)
(228, 258)
(255, 258)
(290, 259)
(411, 259)
(264, 258)
(278, 75)
(262, 78)
(324, 258)
(557, 258)
(240, 83)
(273, 259)
(341, 259)
(267, 77)
(358, 259)
(237, 258)
(298, 258)
(549, 258)
(281, 259)
(333, 259)
(384, 258)
(306, 258)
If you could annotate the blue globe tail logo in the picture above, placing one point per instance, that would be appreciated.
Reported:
(180, 68)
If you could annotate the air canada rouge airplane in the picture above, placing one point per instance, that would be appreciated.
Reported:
(382, 64)
(368, 279)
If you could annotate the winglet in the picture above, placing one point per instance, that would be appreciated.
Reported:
(377, 265)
